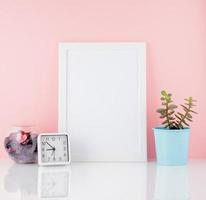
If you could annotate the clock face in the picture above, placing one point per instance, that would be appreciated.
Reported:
(53, 149)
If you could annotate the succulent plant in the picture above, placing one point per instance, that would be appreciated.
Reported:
(171, 118)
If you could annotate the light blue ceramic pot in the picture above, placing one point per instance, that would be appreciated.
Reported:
(172, 146)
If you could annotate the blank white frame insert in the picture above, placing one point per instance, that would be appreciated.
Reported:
(102, 100)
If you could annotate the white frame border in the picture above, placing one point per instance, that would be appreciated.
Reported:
(140, 47)
(39, 150)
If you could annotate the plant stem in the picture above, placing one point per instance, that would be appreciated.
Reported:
(167, 116)
(183, 118)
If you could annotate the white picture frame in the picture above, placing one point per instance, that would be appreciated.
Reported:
(119, 70)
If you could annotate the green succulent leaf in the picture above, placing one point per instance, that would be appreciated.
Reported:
(178, 117)
(162, 116)
(172, 106)
(184, 107)
(160, 110)
(180, 114)
(164, 122)
(189, 115)
(181, 126)
(171, 113)
(193, 111)
(185, 123)
(164, 93)
(188, 119)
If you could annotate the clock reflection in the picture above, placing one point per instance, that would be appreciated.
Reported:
(54, 182)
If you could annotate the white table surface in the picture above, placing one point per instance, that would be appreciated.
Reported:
(103, 181)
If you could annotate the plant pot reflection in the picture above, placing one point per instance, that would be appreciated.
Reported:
(172, 183)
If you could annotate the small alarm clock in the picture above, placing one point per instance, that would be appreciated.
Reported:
(53, 149)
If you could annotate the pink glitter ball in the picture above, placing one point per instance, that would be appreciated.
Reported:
(22, 146)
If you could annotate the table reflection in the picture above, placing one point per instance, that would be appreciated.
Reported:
(79, 181)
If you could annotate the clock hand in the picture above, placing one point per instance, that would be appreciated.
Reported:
(54, 149)
(54, 154)
(50, 149)
(50, 145)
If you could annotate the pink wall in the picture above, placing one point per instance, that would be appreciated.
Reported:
(175, 32)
